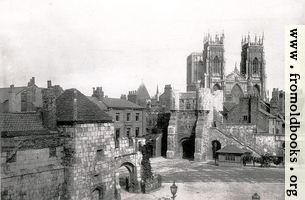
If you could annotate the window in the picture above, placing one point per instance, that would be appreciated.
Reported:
(117, 116)
(137, 116)
(129, 137)
(216, 68)
(116, 139)
(255, 66)
(128, 117)
(230, 157)
(137, 131)
(11, 157)
(245, 117)
(128, 132)
(52, 152)
(188, 105)
(100, 154)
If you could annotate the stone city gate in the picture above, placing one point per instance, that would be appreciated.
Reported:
(132, 162)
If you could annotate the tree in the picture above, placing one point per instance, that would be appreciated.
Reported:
(146, 166)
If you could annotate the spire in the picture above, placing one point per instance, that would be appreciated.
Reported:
(235, 69)
(157, 93)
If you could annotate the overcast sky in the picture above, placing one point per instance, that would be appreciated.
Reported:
(119, 44)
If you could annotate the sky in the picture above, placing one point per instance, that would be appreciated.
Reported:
(120, 44)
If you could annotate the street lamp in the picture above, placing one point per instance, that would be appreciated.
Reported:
(174, 189)
(256, 197)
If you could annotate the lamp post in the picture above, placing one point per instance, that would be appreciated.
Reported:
(256, 197)
(174, 189)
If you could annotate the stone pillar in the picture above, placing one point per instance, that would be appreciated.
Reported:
(117, 192)
(205, 109)
(172, 139)
(138, 178)
(171, 143)
(201, 140)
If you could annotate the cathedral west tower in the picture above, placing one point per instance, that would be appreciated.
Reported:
(252, 65)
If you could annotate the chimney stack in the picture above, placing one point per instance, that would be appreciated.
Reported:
(98, 93)
(49, 84)
(49, 108)
(31, 82)
(13, 105)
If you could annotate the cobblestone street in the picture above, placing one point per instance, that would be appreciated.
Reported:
(199, 180)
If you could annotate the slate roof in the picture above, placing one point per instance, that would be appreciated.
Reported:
(232, 149)
(120, 103)
(20, 122)
(75, 107)
(106, 103)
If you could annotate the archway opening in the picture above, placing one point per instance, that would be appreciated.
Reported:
(216, 145)
(256, 90)
(127, 177)
(216, 87)
(98, 193)
(188, 148)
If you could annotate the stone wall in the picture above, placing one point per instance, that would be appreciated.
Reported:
(32, 174)
(91, 161)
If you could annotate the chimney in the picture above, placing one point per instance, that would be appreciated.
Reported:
(123, 96)
(98, 93)
(49, 108)
(31, 82)
(49, 84)
(132, 96)
(12, 100)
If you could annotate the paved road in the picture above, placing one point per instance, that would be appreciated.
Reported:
(190, 171)
(203, 181)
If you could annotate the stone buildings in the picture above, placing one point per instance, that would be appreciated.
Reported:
(66, 150)
(208, 69)
(24, 98)
(129, 118)
(219, 110)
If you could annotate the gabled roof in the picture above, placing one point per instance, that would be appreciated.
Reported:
(234, 75)
(232, 149)
(229, 105)
(21, 122)
(75, 107)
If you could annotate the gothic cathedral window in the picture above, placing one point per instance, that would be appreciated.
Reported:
(255, 66)
(216, 68)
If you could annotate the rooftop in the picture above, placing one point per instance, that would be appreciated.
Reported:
(106, 103)
(232, 149)
(75, 107)
(21, 122)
